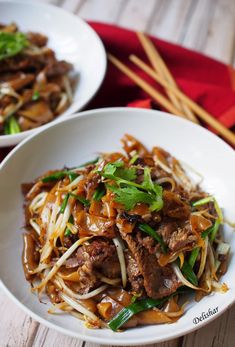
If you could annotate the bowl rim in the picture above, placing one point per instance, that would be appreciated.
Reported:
(16, 138)
(111, 340)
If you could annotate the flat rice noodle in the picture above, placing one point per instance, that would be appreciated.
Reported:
(162, 155)
(199, 223)
(153, 316)
(164, 259)
(110, 311)
(30, 256)
(105, 309)
(96, 208)
(90, 304)
(130, 144)
(120, 295)
(93, 225)
(70, 276)
(124, 225)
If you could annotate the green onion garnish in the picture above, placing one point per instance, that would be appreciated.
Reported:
(68, 231)
(211, 232)
(11, 126)
(99, 193)
(35, 95)
(94, 161)
(188, 272)
(133, 159)
(81, 199)
(141, 305)
(193, 256)
(127, 312)
(59, 175)
(64, 203)
(12, 44)
(148, 230)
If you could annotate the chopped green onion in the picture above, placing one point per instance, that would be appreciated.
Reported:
(148, 230)
(64, 203)
(206, 201)
(99, 193)
(188, 272)
(134, 298)
(127, 312)
(214, 230)
(141, 305)
(203, 201)
(59, 175)
(94, 161)
(133, 159)
(6, 128)
(35, 95)
(72, 175)
(211, 231)
(68, 231)
(193, 256)
(12, 44)
(81, 199)
(11, 126)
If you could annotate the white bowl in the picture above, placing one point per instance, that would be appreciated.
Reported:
(71, 38)
(78, 139)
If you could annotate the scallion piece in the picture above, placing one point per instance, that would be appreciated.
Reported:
(133, 159)
(214, 230)
(141, 305)
(35, 95)
(148, 230)
(11, 126)
(59, 175)
(188, 272)
(94, 161)
(99, 193)
(81, 199)
(193, 256)
(216, 205)
(64, 203)
(68, 231)
(126, 313)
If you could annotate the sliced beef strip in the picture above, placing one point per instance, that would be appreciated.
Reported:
(181, 238)
(37, 39)
(158, 281)
(100, 255)
(134, 276)
(174, 207)
(176, 235)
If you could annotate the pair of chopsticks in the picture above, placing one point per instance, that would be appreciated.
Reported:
(177, 102)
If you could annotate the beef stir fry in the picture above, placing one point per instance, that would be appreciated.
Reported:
(35, 87)
(118, 242)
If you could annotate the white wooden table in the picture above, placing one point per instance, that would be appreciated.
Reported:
(204, 25)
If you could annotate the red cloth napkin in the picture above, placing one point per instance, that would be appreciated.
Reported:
(207, 81)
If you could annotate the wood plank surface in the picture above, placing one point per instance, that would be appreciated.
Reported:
(204, 25)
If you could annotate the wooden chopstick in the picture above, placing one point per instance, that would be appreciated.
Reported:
(201, 113)
(161, 68)
(163, 101)
(153, 56)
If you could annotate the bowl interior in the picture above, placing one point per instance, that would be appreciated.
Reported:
(77, 140)
(71, 38)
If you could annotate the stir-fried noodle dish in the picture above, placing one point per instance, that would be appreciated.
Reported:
(35, 87)
(120, 241)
